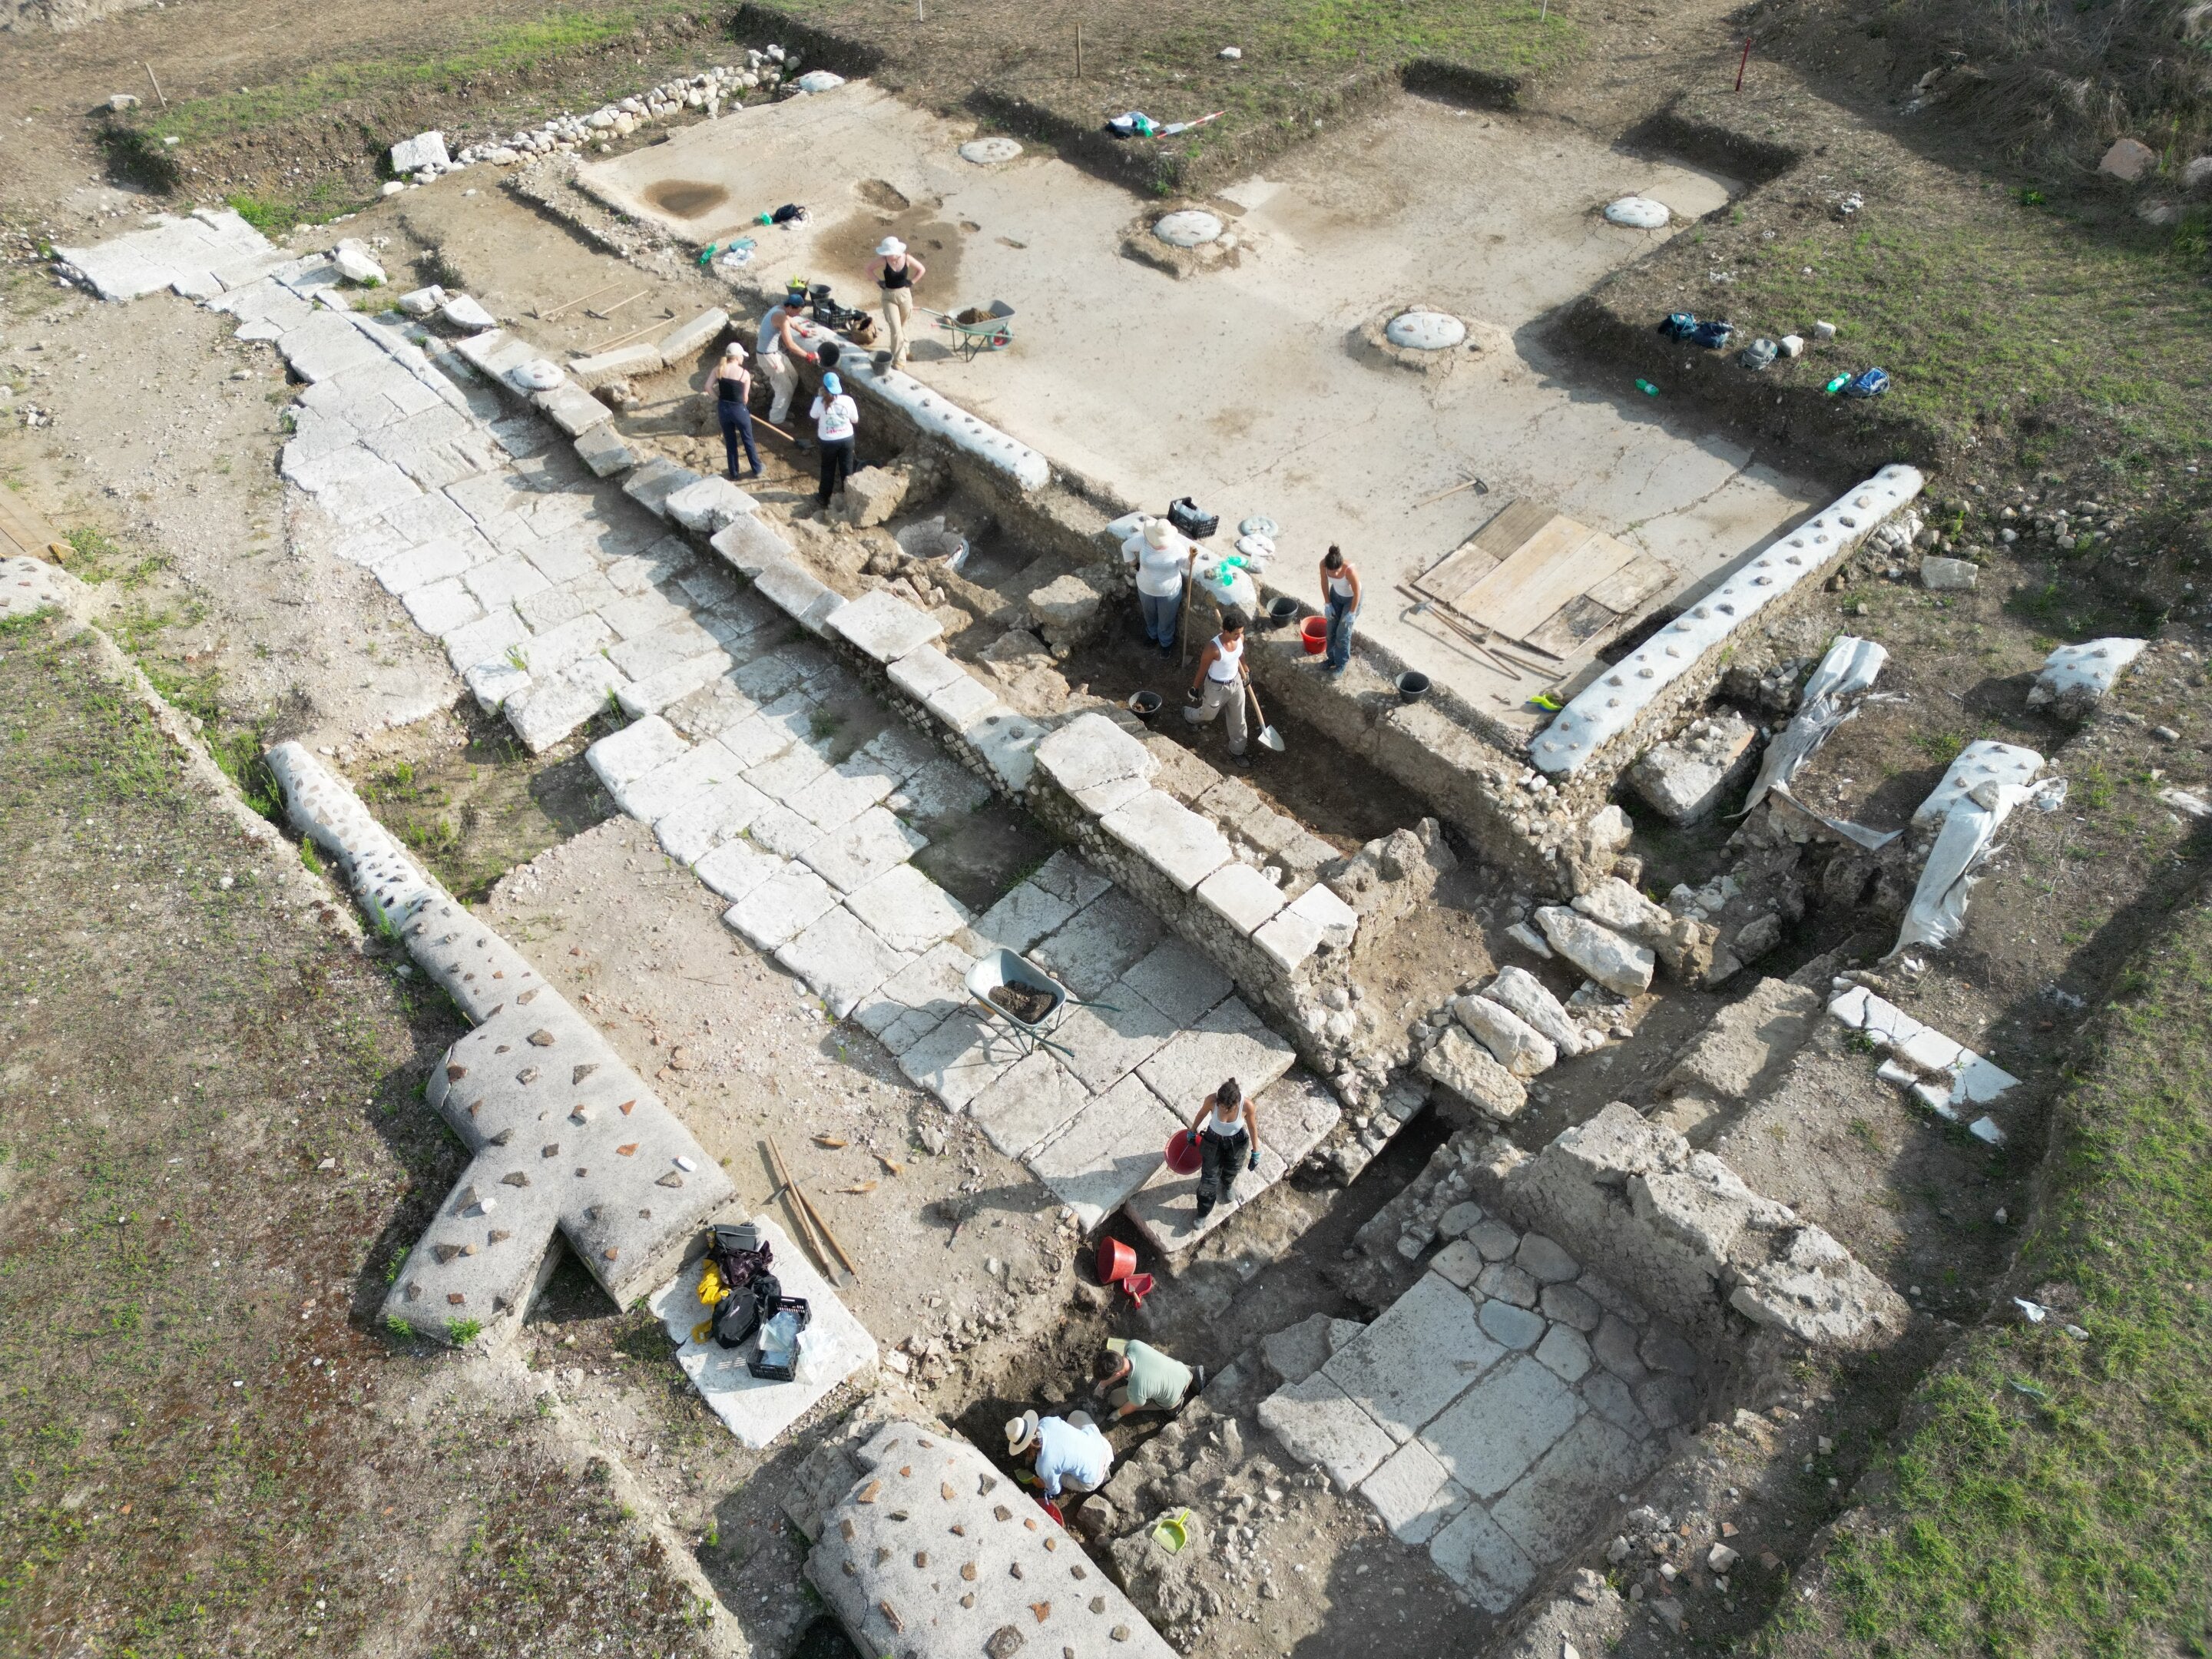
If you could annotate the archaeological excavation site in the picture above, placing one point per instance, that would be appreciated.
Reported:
(822, 850)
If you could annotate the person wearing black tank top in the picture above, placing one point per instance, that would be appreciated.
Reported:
(733, 384)
(896, 272)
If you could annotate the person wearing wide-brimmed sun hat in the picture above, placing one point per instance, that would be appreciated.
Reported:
(1066, 1454)
(896, 272)
(1163, 558)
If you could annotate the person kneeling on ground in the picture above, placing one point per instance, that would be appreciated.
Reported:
(1068, 1454)
(1151, 1381)
(1221, 673)
(836, 416)
(1223, 1146)
(1163, 560)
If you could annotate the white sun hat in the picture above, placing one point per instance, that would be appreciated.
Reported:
(890, 245)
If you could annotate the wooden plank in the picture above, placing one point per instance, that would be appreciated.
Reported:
(1575, 624)
(1482, 553)
(25, 530)
(1642, 580)
(1561, 561)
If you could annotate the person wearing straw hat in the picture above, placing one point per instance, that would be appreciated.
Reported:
(896, 272)
(1148, 1380)
(733, 384)
(1163, 558)
(836, 418)
(1066, 1454)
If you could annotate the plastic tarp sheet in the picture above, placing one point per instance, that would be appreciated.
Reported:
(1978, 793)
(1831, 697)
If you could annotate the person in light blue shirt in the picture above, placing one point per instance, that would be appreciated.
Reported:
(1067, 1454)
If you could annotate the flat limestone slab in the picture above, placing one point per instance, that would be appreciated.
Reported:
(885, 628)
(781, 907)
(1109, 1151)
(1321, 1425)
(959, 1059)
(1474, 1552)
(1186, 847)
(1031, 1101)
(1022, 915)
(841, 959)
(910, 911)
(1229, 1042)
(1110, 1040)
(837, 1345)
(1096, 945)
(1412, 1494)
(930, 986)
(1551, 1507)
(1420, 1354)
(855, 856)
(1491, 1435)
(1294, 1114)
(1178, 981)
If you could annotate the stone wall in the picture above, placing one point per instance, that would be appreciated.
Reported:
(1681, 1232)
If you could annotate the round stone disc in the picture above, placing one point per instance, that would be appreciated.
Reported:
(1188, 228)
(989, 152)
(1259, 525)
(538, 374)
(1638, 213)
(1424, 331)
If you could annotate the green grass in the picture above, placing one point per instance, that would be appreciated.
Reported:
(503, 48)
(2050, 1495)
(2004, 317)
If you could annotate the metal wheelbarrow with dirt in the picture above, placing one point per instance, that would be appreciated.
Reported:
(976, 330)
(1029, 999)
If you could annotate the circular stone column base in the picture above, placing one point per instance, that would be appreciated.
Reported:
(990, 152)
(1424, 338)
(1187, 238)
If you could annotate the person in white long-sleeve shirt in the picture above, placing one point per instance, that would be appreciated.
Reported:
(1066, 1455)
(1163, 558)
(836, 419)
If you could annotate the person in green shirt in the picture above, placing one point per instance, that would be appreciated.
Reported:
(1149, 1381)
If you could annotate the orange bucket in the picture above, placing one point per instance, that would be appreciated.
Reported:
(1182, 1153)
(1116, 1260)
(1315, 633)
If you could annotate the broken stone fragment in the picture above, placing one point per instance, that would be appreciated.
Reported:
(1680, 942)
(1518, 1046)
(1620, 964)
(1521, 990)
(1465, 1068)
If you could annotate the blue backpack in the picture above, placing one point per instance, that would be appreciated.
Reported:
(1678, 324)
(1713, 335)
(1871, 384)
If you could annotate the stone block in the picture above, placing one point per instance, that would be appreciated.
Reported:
(851, 858)
(872, 496)
(643, 357)
(959, 1059)
(963, 701)
(885, 628)
(1688, 778)
(504, 579)
(1183, 846)
(841, 959)
(1179, 981)
(758, 1412)
(1296, 1352)
(1106, 1152)
(1524, 995)
(1573, 1307)
(1091, 752)
(781, 907)
(688, 832)
(550, 709)
(1241, 896)
(1418, 1356)
(1513, 1327)
(842, 795)
(708, 506)
(572, 408)
(924, 671)
(1458, 1262)
(1229, 1042)
(655, 691)
(1748, 1040)
(911, 912)
(932, 985)
(1550, 1509)
(1319, 1425)
(1619, 965)
(1518, 1046)
(750, 546)
(1030, 1102)
(1022, 915)
(685, 339)
(1065, 607)
(1469, 1071)
(1564, 1353)
(567, 642)
(494, 683)
(490, 639)
(601, 449)
(1413, 1494)
(441, 607)
(1544, 1262)
(1006, 742)
(1099, 944)
(1491, 1435)
(1476, 1554)
(1112, 1039)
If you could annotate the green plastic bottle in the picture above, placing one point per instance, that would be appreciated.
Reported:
(1647, 388)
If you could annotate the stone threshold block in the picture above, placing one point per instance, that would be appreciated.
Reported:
(836, 1347)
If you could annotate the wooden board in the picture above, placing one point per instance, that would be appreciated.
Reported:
(22, 531)
(1575, 624)
(1642, 580)
(1561, 561)
(1482, 552)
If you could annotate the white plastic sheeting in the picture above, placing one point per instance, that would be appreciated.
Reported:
(1977, 794)
(1613, 701)
(2074, 678)
(1831, 697)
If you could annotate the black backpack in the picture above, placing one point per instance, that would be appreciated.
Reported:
(741, 1257)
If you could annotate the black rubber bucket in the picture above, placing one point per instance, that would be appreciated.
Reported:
(1144, 705)
(1412, 686)
(1280, 613)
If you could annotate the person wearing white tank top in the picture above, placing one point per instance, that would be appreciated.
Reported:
(1339, 591)
(1219, 690)
(1227, 1130)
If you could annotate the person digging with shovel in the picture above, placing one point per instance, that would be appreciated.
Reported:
(1219, 689)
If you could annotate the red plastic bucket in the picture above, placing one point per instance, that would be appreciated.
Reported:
(1315, 633)
(1182, 1154)
(1116, 1260)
